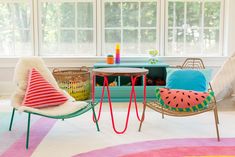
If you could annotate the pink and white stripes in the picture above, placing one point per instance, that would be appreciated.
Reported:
(40, 93)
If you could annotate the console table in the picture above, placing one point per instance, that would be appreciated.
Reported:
(120, 86)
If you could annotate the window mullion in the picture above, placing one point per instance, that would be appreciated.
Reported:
(58, 27)
(122, 27)
(76, 29)
(185, 26)
(202, 28)
(174, 30)
(35, 18)
(139, 30)
(14, 28)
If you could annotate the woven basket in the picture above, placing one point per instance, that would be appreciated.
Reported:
(75, 82)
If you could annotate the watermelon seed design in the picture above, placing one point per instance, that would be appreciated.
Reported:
(183, 100)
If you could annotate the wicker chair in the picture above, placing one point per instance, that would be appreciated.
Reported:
(190, 63)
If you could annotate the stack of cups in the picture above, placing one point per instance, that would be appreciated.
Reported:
(117, 58)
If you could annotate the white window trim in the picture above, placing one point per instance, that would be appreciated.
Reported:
(9, 61)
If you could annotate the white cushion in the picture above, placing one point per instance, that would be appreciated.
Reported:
(21, 78)
(61, 110)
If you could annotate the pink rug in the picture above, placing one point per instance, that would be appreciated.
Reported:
(169, 148)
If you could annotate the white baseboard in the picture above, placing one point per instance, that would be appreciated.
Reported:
(6, 88)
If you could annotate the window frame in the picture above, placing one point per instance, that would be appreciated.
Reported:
(221, 29)
(157, 27)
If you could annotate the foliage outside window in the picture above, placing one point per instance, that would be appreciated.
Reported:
(93, 27)
(194, 28)
(134, 24)
(67, 29)
(15, 28)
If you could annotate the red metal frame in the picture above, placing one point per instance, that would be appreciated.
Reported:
(132, 94)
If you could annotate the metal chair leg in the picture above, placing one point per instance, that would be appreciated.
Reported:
(28, 131)
(142, 119)
(95, 118)
(162, 113)
(217, 116)
(12, 118)
(216, 124)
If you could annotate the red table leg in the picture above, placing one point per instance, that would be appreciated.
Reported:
(101, 99)
(132, 93)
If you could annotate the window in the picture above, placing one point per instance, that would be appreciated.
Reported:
(133, 23)
(67, 28)
(194, 28)
(15, 28)
(88, 28)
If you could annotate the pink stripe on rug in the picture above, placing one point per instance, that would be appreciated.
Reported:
(186, 152)
(125, 149)
(37, 132)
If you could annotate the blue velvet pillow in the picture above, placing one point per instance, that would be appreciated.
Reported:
(187, 79)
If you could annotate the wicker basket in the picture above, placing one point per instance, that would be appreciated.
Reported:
(75, 82)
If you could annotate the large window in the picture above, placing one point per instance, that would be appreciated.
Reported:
(15, 28)
(133, 23)
(67, 28)
(194, 27)
(88, 28)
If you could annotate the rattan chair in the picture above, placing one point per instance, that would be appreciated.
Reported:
(190, 63)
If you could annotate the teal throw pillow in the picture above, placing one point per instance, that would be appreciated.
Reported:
(188, 79)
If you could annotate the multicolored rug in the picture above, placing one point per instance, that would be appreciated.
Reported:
(170, 148)
(74, 137)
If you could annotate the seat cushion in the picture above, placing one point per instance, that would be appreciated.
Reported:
(183, 100)
(40, 93)
(61, 110)
(187, 79)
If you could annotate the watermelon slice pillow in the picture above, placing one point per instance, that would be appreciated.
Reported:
(183, 100)
(40, 93)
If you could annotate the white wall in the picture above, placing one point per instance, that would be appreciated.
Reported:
(7, 64)
(230, 26)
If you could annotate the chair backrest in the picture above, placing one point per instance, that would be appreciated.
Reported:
(21, 76)
(195, 63)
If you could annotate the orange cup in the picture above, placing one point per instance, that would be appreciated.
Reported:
(110, 59)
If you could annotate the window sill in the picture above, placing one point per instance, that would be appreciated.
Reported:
(10, 62)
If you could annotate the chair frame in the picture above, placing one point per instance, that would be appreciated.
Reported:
(63, 117)
(189, 63)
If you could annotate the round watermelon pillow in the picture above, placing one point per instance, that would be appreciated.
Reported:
(183, 100)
